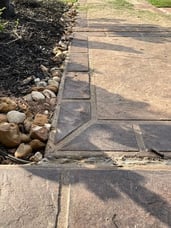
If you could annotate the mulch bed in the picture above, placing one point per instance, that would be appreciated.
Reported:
(27, 42)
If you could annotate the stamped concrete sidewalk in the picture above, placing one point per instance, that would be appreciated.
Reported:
(114, 102)
(115, 95)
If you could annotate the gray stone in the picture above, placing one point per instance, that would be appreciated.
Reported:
(16, 117)
(48, 93)
(105, 137)
(37, 96)
(53, 83)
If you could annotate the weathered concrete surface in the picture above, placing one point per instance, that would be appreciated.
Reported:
(77, 86)
(120, 199)
(28, 197)
(133, 81)
(105, 137)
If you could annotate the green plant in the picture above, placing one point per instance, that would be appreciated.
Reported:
(2, 24)
(160, 3)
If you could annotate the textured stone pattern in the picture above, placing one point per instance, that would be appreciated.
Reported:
(28, 197)
(120, 199)
(113, 66)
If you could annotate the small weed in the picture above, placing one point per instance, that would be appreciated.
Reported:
(2, 24)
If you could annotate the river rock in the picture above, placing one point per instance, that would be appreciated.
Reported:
(28, 97)
(7, 104)
(38, 132)
(40, 119)
(23, 150)
(52, 88)
(36, 144)
(27, 125)
(3, 118)
(37, 96)
(42, 84)
(48, 126)
(37, 157)
(49, 94)
(56, 72)
(57, 79)
(9, 134)
(25, 138)
(38, 88)
(53, 83)
(16, 117)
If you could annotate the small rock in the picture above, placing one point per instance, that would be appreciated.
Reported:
(36, 80)
(37, 96)
(56, 72)
(40, 119)
(9, 135)
(40, 133)
(27, 80)
(57, 79)
(46, 112)
(15, 117)
(42, 84)
(27, 125)
(36, 144)
(23, 150)
(53, 101)
(37, 157)
(44, 68)
(28, 97)
(52, 88)
(7, 104)
(38, 88)
(48, 93)
(3, 118)
(25, 138)
(53, 83)
(48, 126)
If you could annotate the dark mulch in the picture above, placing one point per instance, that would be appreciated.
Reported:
(27, 42)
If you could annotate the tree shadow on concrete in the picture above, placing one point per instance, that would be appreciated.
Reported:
(142, 32)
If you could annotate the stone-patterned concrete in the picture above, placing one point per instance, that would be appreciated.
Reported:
(104, 137)
(120, 199)
(119, 70)
(28, 197)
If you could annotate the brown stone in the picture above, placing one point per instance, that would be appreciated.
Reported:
(7, 104)
(3, 118)
(25, 138)
(23, 150)
(38, 132)
(36, 144)
(27, 125)
(53, 101)
(38, 88)
(40, 119)
(56, 73)
(52, 88)
(9, 134)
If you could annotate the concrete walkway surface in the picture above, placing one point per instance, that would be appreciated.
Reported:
(52, 197)
(114, 109)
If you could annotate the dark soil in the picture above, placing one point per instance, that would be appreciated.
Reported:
(27, 42)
